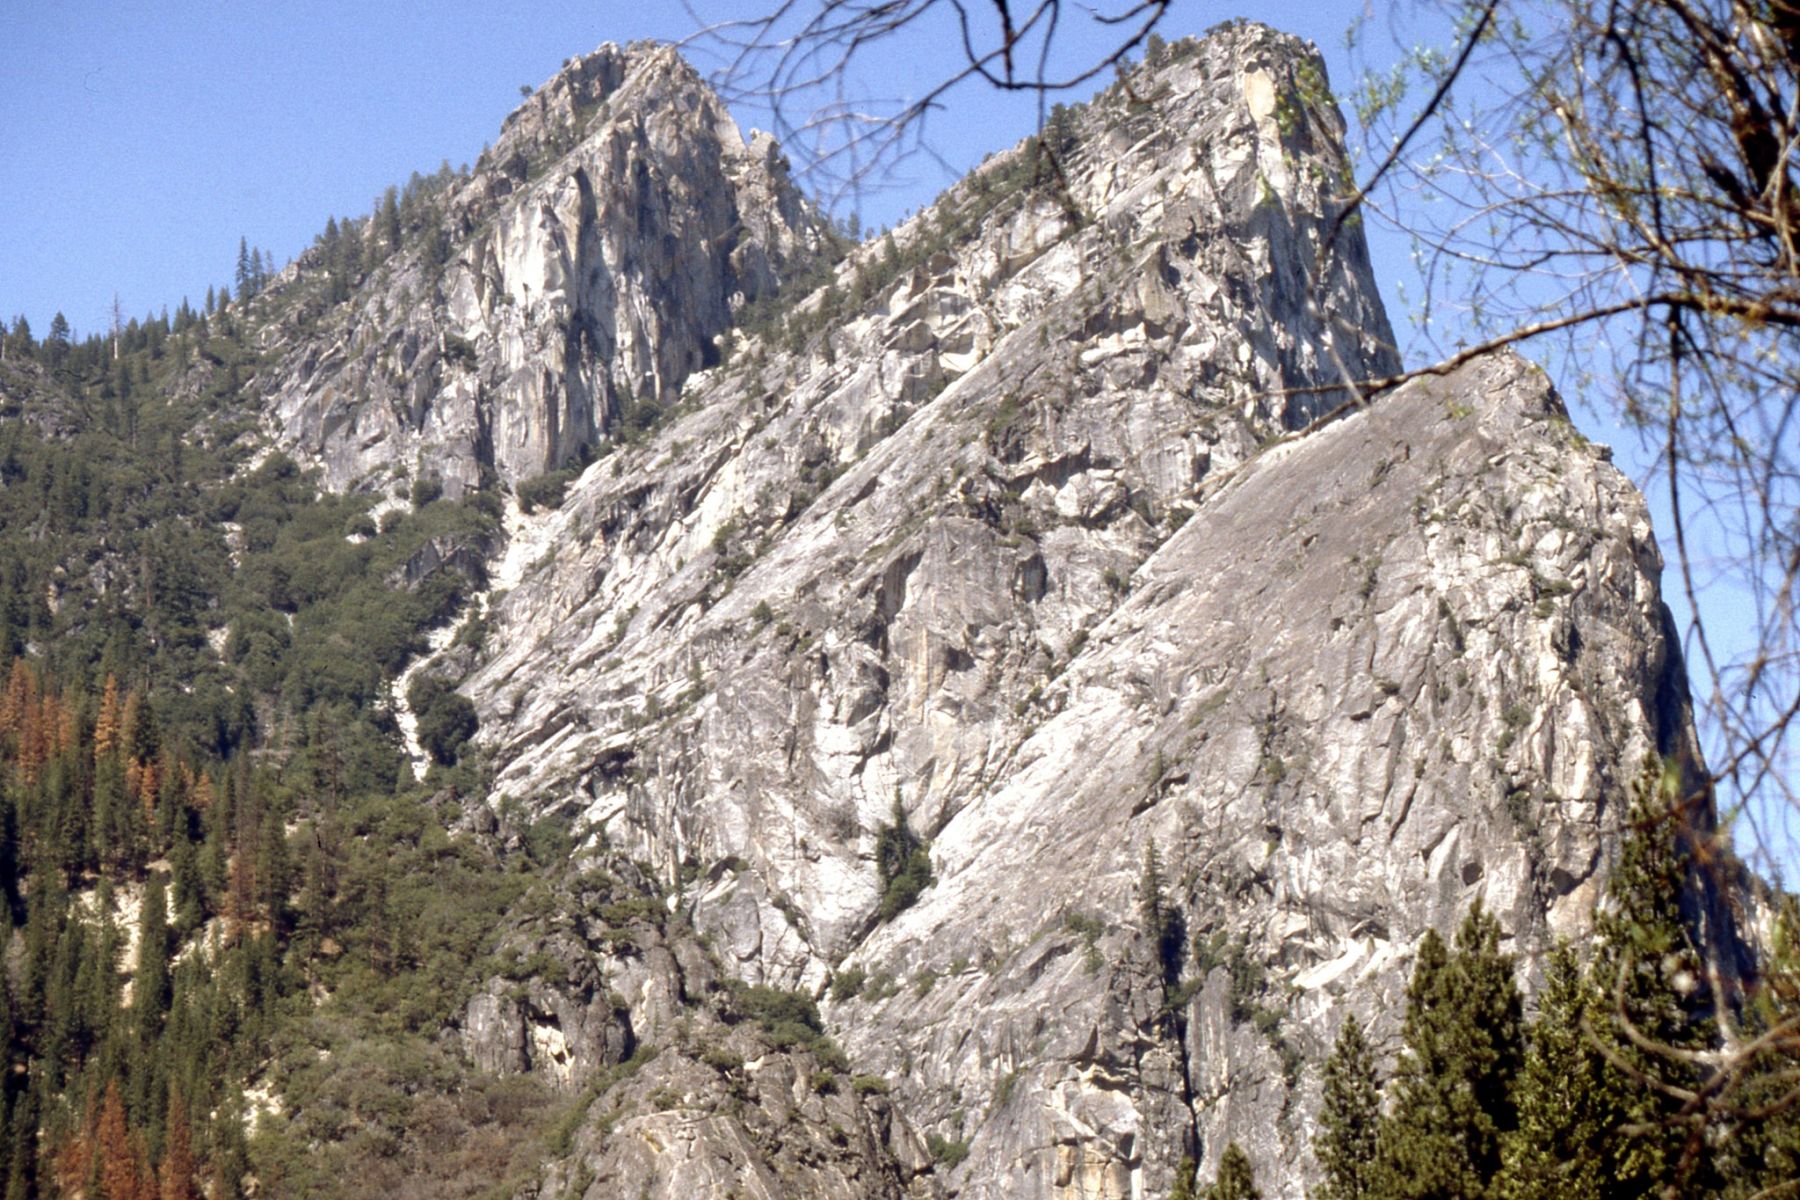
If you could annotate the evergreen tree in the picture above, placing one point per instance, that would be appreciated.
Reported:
(122, 1169)
(245, 275)
(1453, 1084)
(1765, 1151)
(903, 861)
(150, 985)
(1236, 1180)
(388, 222)
(1183, 1187)
(1350, 1118)
(1162, 926)
(1150, 891)
(1646, 971)
(176, 1173)
(56, 344)
(18, 342)
(1570, 1104)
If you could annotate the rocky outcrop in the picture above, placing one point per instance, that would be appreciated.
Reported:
(1030, 527)
(687, 1087)
(595, 255)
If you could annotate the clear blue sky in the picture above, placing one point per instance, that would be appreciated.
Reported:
(140, 140)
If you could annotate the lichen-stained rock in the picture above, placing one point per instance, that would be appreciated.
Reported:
(1029, 527)
(599, 250)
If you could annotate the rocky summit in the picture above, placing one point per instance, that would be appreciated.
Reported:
(1023, 532)
(972, 712)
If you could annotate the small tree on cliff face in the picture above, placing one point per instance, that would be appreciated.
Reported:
(1453, 1086)
(1162, 924)
(903, 861)
(1349, 1119)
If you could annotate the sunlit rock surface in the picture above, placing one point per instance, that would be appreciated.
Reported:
(1032, 528)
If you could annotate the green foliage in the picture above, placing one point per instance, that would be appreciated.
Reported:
(1646, 972)
(1570, 1105)
(1764, 1156)
(544, 491)
(1453, 1085)
(1349, 1118)
(1185, 1182)
(903, 861)
(446, 718)
(425, 489)
(1236, 1180)
(847, 983)
(1160, 922)
(946, 1152)
(1089, 929)
(790, 1019)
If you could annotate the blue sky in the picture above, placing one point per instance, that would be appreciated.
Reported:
(139, 140)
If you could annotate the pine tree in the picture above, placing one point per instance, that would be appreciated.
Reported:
(1646, 971)
(1570, 1104)
(1183, 1187)
(1349, 1119)
(1453, 1084)
(150, 984)
(903, 862)
(1236, 1180)
(388, 222)
(56, 344)
(1764, 1146)
(106, 724)
(245, 276)
(122, 1169)
(1162, 926)
(1150, 891)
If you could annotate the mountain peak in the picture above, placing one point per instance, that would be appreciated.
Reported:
(582, 272)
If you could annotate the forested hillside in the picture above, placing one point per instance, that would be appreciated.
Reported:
(210, 827)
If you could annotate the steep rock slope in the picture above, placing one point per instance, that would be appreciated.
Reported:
(1012, 534)
(595, 255)
(689, 1085)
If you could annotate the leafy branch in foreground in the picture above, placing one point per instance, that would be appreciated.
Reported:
(1615, 185)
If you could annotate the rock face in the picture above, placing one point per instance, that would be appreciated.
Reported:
(686, 1092)
(1028, 531)
(599, 249)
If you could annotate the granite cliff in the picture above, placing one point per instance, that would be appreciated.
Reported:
(601, 245)
(1042, 529)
